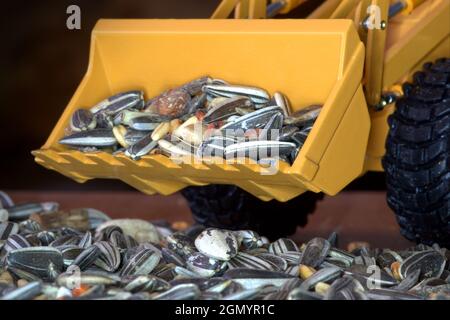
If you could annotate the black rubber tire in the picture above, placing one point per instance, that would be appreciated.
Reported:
(417, 159)
(229, 207)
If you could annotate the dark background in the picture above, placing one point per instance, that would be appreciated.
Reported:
(42, 63)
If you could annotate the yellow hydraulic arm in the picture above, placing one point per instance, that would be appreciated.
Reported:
(371, 19)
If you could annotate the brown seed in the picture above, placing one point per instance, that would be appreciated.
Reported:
(21, 283)
(6, 277)
(172, 103)
(180, 225)
(357, 245)
(305, 272)
(119, 133)
(322, 288)
(76, 219)
(395, 267)
(161, 131)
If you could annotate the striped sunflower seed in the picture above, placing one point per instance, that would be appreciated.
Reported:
(315, 252)
(44, 262)
(245, 260)
(7, 229)
(283, 245)
(87, 257)
(142, 263)
(203, 265)
(109, 258)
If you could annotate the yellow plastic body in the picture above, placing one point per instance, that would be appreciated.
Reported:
(279, 55)
(412, 40)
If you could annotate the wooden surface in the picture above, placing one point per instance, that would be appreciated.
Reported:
(356, 216)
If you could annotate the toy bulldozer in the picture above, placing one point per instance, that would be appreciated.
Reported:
(352, 56)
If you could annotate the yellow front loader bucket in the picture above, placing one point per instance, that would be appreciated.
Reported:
(310, 61)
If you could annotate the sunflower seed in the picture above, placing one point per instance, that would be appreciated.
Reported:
(244, 260)
(118, 103)
(195, 86)
(46, 237)
(153, 247)
(91, 138)
(26, 292)
(87, 257)
(29, 226)
(22, 274)
(257, 95)
(346, 288)
(220, 287)
(24, 211)
(254, 120)
(109, 258)
(315, 252)
(86, 240)
(70, 253)
(39, 261)
(282, 102)
(282, 245)
(141, 263)
(182, 272)
(333, 239)
(140, 230)
(284, 290)
(292, 257)
(227, 108)
(65, 240)
(323, 275)
(303, 117)
(301, 293)
(82, 119)
(217, 244)
(430, 262)
(143, 123)
(203, 265)
(246, 294)
(215, 146)
(410, 281)
(180, 292)
(344, 257)
(259, 149)
(253, 278)
(386, 294)
(278, 261)
(387, 257)
(111, 101)
(105, 232)
(181, 244)
(248, 239)
(4, 215)
(170, 256)
(16, 241)
(5, 200)
(287, 132)
(96, 217)
(149, 283)
(7, 229)
(292, 270)
(104, 121)
(366, 276)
